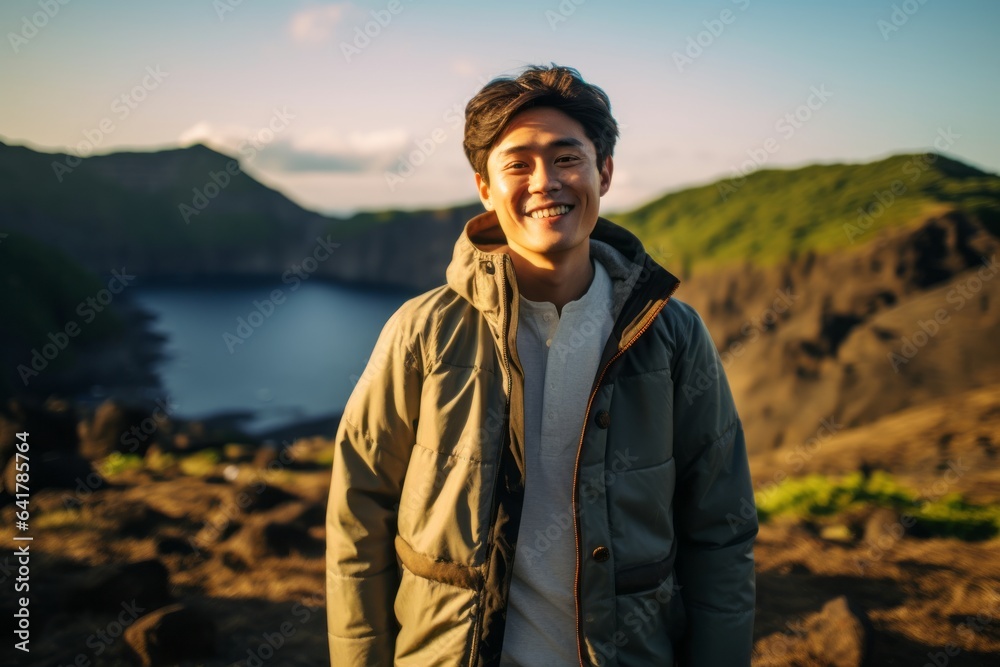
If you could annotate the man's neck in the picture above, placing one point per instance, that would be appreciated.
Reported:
(557, 280)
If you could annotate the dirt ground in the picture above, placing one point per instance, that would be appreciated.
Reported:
(908, 598)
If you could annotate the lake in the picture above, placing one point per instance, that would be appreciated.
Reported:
(284, 353)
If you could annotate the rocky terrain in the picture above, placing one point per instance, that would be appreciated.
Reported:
(203, 551)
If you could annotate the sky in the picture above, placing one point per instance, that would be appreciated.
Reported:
(349, 106)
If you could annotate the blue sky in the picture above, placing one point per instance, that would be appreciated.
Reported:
(340, 124)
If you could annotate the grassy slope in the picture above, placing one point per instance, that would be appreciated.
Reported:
(773, 214)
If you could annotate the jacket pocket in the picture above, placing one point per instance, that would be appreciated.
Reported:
(641, 578)
(435, 622)
(650, 622)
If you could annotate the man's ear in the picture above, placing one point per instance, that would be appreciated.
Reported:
(606, 170)
(484, 192)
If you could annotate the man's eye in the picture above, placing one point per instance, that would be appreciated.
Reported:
(567, 158)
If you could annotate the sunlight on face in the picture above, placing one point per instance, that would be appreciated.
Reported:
(544, 184)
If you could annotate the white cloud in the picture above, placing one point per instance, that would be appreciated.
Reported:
(313, 25)
(223, 137)
(317, 151)
(376, 142)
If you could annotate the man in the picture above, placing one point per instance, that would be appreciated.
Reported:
(542, 463)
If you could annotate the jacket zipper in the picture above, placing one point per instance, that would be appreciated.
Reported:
(576, 470)
(505, 355)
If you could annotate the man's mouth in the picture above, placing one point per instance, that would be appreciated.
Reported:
(550, 212)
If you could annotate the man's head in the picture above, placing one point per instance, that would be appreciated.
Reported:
(489, 112)
(542, 140)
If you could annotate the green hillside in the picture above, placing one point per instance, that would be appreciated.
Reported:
(773, 214)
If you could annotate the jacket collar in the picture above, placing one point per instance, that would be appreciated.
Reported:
(479, 269)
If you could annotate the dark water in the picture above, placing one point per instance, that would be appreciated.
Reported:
(295, 358)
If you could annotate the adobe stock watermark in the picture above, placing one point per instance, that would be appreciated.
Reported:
(927, 329)
(913, 168)
(407, 164)
(892, 533)
(102, 639)
(697, 44)
(223, 7)
(794, 632)
(263, 309)
(592, 489)
(88, 310)
(139, 433)
(641, 619)
(247, 149)
(786, 126)
(30, 26)
(121, 107)
(274, 641)
(803, 452)
(561, 13)
(751, 330)
(899, 17)
(585, 330)
(370, 30)
(229, 510)
(974, 624)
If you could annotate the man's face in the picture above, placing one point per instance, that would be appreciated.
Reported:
(545, 185)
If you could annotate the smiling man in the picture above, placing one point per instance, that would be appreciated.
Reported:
(542, 463)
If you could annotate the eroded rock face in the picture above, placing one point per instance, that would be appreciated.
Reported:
(811, 339)
(172, 634)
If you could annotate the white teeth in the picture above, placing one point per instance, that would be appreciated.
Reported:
(549, 212)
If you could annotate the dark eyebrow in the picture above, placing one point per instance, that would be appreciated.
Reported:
(558, 143)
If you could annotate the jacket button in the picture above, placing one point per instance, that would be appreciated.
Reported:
(603, 419)
(490, 268)
(601, 554)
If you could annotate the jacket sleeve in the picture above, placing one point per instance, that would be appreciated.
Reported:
(371, 451)
(714, 511)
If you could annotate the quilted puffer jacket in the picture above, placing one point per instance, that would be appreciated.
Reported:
(429, 474)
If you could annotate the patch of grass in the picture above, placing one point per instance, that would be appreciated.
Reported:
(158, 461)
(117, 463)
(818, 497)
(200, 464)
(324, 456)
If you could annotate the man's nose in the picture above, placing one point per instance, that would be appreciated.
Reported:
(544, 178)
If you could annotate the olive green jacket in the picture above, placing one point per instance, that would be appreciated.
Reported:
(428, 479)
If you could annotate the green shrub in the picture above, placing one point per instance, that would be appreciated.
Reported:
(201, 463)
(117, 463)
(818, 497)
